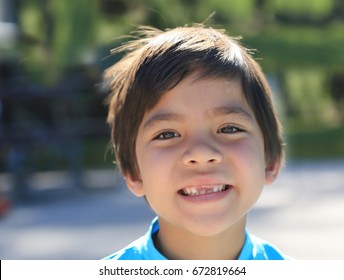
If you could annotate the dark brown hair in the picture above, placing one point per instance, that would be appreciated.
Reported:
(156, 61)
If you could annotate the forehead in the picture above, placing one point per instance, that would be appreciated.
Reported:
(208, 86)
(197, 96)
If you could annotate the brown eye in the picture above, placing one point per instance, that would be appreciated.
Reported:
(166, 135)
(229, 129)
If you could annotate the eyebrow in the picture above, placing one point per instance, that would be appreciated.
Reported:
(217, 112)
(232, 110)
(161, 117)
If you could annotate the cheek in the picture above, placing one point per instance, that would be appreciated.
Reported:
(248, 157)
(247, 149)
(249, 173)
(154, 163)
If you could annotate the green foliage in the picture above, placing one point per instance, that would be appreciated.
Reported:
(301, 41)
(31, 18)
(227, 11)
(309, 97)
(282, 48)
(319, 143)
(314, 8)
(74, 30)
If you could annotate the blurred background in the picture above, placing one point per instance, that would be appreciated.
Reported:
(60, 197)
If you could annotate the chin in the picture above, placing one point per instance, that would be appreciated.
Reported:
(209, 228)
(215, 225)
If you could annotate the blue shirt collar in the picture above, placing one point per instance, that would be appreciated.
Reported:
(153, 254)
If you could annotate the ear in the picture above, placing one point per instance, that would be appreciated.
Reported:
(272, 171)
(134, 185)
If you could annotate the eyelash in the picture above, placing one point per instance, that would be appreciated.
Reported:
(166, 135)
(233, 129)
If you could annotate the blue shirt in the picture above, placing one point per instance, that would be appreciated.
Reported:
(143, 248)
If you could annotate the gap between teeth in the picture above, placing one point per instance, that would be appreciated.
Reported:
(194, 191)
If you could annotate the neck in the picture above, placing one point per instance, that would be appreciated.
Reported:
(185, 245)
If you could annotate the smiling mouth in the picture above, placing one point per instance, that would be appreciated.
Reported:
(202, 190)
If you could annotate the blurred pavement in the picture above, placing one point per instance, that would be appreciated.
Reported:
(302, 213)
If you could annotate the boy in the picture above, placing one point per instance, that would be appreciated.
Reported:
(195, 133)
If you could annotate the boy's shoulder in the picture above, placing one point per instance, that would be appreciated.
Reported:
(134, 251)
(143, 248)
(256, 248)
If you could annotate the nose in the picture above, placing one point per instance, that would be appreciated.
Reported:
(201, 153)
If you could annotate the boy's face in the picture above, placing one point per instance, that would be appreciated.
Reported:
(200, 154)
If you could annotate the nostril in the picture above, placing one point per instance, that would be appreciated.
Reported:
(201, 154)
(192, 161)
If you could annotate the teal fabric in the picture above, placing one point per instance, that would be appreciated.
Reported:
(144, 249)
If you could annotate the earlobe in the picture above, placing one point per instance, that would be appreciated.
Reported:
(272, 171)
(134, 185)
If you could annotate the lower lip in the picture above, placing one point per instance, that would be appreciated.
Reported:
(208, 197)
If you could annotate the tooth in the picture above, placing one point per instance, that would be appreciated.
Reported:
(192, 191)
